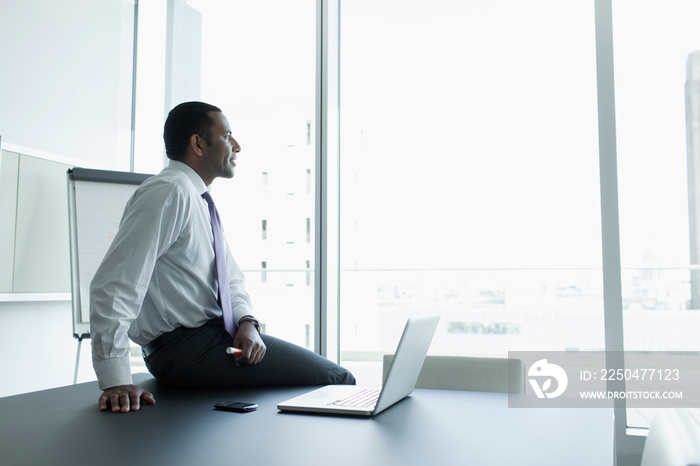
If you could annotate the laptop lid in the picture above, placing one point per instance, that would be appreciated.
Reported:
(398, 384)
(408, 361)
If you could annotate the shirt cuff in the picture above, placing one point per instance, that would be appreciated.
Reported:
(113, 372)
(239, 311)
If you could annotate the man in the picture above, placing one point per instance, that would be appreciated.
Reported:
(158, 283)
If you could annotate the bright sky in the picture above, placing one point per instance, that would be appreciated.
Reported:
(469, 132)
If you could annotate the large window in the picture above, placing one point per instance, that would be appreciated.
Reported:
(469, 175)
(657, 92)
(258, 65)
(658, 119)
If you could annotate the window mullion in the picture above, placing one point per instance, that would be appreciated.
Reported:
(326, 341)
(610, 224)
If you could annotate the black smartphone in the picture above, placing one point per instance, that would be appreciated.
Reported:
(237, 406)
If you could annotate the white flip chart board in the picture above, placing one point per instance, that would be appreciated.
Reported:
(96, 200)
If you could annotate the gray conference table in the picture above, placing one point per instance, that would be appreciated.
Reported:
(432, 427)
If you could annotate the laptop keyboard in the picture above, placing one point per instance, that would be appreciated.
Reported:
(363, 399)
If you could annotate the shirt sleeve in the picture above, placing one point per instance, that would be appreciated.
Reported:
(240, 300)
(152, 221)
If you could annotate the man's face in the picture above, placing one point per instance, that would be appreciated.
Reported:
(220, 156)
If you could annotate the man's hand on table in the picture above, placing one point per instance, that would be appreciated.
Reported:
(124, 398)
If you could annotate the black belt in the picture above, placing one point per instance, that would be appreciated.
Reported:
(151, 348)
(160, 342)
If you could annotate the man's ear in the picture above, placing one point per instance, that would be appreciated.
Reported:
(197, 144)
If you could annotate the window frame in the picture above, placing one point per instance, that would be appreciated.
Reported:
(629, 443)
(327, 184)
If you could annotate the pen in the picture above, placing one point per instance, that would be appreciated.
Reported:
(232, 350)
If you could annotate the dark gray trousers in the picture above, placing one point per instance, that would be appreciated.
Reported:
(197, 358)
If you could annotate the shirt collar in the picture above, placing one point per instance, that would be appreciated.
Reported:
(194, 178)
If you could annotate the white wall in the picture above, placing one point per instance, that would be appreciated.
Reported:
(66, 81)
(37, 348)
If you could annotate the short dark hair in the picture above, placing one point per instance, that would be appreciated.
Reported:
(183, 121)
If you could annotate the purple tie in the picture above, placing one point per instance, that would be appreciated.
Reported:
(221, 272)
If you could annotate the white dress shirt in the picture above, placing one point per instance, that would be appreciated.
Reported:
(159, 273)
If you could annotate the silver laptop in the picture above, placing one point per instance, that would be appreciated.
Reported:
(369, 401)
